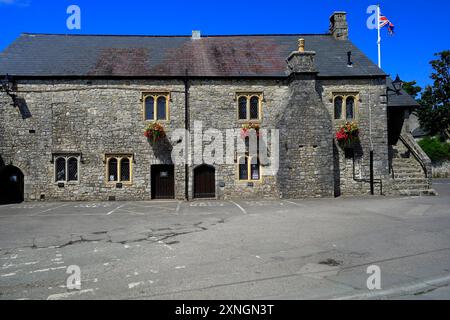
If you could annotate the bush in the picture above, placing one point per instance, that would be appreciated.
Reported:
(435, 149)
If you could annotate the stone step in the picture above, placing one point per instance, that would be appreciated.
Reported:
(413, 174)
(411, 180)
(412, 186)
(419, 192)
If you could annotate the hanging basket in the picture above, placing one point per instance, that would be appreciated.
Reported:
(348, 134)
(247, 129)
(154, 132)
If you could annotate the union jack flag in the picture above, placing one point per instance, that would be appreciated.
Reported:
(384, 21)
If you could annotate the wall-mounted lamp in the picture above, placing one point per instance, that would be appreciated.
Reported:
(7, 85)
(397, 84)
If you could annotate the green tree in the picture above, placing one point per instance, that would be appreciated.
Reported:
(434, 113)
(412, 88)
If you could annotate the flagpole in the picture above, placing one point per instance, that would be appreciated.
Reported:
(379, 36)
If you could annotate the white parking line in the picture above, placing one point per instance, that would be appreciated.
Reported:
(112, 211)
(295, 203)
(50, 209)
(240, 208)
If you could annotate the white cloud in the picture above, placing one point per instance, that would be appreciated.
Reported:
(20, 3)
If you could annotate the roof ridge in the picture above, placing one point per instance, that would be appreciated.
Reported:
(175, 36)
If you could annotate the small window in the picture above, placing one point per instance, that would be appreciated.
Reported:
(72, 169)
(125, 169)
(242, 108)
(149, 108)
(249, 170)
(254, 108)
(338, 108)
(60, 170)
(112, 169)
(254, 169)
(243, 168)
(350, 108)
(119, 168)
(249, 107)
(161, 108)
(156, 106)
(345, 107)
(66, 168)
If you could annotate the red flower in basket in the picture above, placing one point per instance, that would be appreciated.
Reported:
(154, 132)
(246, 129)
(348, 133)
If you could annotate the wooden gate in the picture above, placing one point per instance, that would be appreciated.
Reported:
(204, 182)
(163, 182)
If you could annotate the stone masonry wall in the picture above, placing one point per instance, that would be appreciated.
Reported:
(352, 175)
(107, 117)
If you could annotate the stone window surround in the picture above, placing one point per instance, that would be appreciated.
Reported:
(156, 95)
(248, 95)
(118, 157)
(66, 157)
(344, 96)
(249, 173)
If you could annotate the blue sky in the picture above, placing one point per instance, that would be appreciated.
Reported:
(421, 26)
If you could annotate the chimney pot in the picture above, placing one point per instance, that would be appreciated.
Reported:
(301, 45)
(196, 34)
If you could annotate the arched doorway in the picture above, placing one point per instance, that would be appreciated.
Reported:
(11, 185)
(205, 182)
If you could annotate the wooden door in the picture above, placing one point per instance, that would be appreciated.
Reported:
(204, 182)
(163, 182)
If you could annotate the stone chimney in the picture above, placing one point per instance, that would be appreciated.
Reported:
(301, 61)
(338, 25)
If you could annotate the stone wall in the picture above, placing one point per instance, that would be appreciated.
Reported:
(352, 175)
(107, 117)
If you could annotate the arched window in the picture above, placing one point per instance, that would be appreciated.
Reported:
(66, 167)
(119, 168)
(350, 108)
(161, 108)
(242, 105)
(112, 169)
(60, 170)
(156, 106)
(149, 108)
(72, 169)
(249, 106)
(254, 108)
(338, 107)
(345, 106)
(125, 169)
(249, 170)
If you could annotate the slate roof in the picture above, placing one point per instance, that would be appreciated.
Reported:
(159, 56)
(401, 99)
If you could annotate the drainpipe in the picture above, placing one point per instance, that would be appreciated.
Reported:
(187, 130)
(372, 189)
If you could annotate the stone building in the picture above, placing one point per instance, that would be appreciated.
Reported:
(73, 110)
